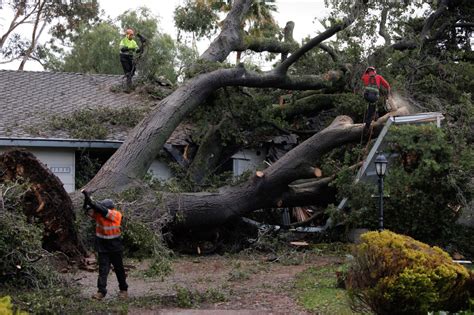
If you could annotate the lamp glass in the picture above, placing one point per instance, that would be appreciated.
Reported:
(380, 165)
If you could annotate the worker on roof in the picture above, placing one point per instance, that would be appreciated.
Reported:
(108, 243)
(372, 82)
(128, 46)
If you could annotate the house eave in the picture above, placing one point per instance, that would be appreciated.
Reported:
(59, 143)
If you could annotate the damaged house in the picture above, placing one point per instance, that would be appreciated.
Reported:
(70, 121)
(74, 122)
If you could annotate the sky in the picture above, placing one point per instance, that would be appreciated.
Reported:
(302, 12)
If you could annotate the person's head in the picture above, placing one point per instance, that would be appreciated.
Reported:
(108, 203)
(370, 70)
(129, 33)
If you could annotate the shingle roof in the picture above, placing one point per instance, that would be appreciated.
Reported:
(28, 100)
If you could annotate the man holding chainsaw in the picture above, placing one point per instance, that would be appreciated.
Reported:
(108, 243)
(128, 47)
(372, 83)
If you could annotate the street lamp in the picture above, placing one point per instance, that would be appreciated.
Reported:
(380, 168)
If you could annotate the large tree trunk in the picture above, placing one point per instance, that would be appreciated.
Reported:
(270, 187)
(134, 157)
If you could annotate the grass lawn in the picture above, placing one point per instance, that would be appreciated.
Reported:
(316, 291)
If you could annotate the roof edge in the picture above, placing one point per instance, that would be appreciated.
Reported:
(59, 143)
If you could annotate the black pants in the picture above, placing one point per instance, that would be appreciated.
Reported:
(105, 259)
(127, 65)
(370, 115)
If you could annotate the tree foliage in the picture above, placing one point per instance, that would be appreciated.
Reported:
(95, 48)
(427, 182)
(61, 17)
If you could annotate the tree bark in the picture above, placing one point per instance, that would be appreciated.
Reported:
(271, 188)
(312, 104)
(34, 36)
(209, 153)
(131, 161)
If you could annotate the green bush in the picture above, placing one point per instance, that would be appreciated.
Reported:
(139, 240)
(6, 307)
(428, 181)
(142, 242)
(395, 274)
(22, 259)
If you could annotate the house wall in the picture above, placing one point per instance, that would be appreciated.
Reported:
(247, 160)
(61, 161)
(160, 170)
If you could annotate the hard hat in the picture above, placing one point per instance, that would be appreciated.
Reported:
(370, 69)
(129, 31)
(108, 203)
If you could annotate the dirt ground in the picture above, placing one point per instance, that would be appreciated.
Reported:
(248, 284)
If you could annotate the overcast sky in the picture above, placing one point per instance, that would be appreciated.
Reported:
(302, 12)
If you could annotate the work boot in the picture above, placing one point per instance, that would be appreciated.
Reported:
(123, 295)
(98, 296)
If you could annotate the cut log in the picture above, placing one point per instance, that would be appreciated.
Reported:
(318, 172)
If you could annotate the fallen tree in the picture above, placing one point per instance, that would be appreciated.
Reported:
(275, 186)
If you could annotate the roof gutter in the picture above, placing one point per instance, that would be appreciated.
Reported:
(59, 143)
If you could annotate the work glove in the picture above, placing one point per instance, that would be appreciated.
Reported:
(87, 199)
(139, 51)
(124, 49)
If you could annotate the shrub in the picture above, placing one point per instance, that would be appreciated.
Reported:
(395, 274)
(428, 181)
(22, 259)
(6, 307)
(142, 242)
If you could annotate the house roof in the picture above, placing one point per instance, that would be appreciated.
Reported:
(30, 100)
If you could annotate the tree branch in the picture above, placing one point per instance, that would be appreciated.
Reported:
(383, 26)
(428, 25)
(34, 37)
(231, 34)
(334, 55)
(272, 45)
(270, 189)
(14, 24)
(283, 67)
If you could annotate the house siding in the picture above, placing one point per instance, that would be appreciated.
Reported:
(60, 161)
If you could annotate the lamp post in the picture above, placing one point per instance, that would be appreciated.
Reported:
(380, 168)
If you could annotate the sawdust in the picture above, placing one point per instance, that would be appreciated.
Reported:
(397, 101)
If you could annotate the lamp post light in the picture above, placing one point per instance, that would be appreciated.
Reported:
(380, 168)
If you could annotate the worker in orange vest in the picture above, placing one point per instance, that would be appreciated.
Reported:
(108, 243)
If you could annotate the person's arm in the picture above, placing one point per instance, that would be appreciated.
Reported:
(97, 207)
(123, 47)
(134, 46)
(385, 84)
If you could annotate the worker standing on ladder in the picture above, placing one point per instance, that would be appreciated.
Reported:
(372, 82)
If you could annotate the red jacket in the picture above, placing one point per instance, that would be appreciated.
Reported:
(378, 79)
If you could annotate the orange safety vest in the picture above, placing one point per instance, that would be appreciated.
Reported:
(108, 227)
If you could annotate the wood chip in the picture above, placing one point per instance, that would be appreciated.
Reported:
(299, 243)
(318, 172)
